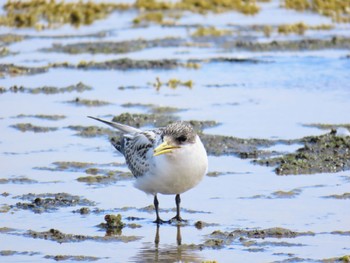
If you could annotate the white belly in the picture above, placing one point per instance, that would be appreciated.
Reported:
(176, 172)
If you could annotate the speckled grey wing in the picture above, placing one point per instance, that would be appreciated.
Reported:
(135, 147)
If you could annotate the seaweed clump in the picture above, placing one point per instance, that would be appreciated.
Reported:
(60, 237)
(24, 127)
(247, 237)
(210, 32)
(51, 13)
(327, 153)
(49, 90)
(48, 202)
(300, 28)
(113, 225)
(338, 10)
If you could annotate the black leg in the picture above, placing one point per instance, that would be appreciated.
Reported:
(156, 206)
(178, 201)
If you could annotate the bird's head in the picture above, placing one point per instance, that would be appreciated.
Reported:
(175, 136)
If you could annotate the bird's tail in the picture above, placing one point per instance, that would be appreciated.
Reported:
(122, 127)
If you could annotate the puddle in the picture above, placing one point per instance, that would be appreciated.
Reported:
(268, 94)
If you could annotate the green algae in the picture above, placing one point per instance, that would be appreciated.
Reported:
(5, 253)
(120, 47)
(42, 14)
(157, 120)
(324, 126)
(326, 153)
(172, 83)
(17, 180)
(286, 194)
(79, 87)
(60, 237)
(88, 103)
(42, 116)
(113, 224)
(151, 108)
(149, 17)
(342, 196)
(108, 178)
(201, 224)
(228, 145)
(71, 165)
(343, 233)
(40, 203)
(300, 28)
(72, 258)
(248, 7)
(338, 10)
(126, 63)
(246, 237)
(91, 131)
(200, 6)
(25, 127)
(6, 230)
(210, 31)
(274, 232)
(139, 119)
(343, 259)
(13, 70)
(277, 195)
(4, 209)
(6, 39)
(4, 51)
(121, 64)
(286, 45)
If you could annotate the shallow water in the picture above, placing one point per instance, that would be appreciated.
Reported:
(273, 98)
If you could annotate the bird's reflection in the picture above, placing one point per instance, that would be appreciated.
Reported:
(163, 250)
(178, 235)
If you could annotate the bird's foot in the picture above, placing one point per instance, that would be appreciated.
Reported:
(159, 221)
(178, 219)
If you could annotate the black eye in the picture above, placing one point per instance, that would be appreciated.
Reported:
(181, 138)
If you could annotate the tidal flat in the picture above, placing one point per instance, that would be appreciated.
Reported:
(265, 84)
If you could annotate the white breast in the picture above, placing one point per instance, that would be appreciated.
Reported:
(176, 172)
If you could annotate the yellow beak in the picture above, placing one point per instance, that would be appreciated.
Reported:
(164, 148)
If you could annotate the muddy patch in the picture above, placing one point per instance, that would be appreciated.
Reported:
(327, 153)
(159, 118)
(80, 258)
(17, 180)
(277, 195)
(60, 237)
(91, 131)
(228, 145)
(43, 14)
(113, 224)
(79, 87)
(341, 196)
(88, 103)
(297, 45)
(124, 64)
(5, 253)
(115, 47)
(28, 127)
(247, 238)
(13, 70)
(42, 116)
(41, 203)
(109, 176)
(67, 166)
